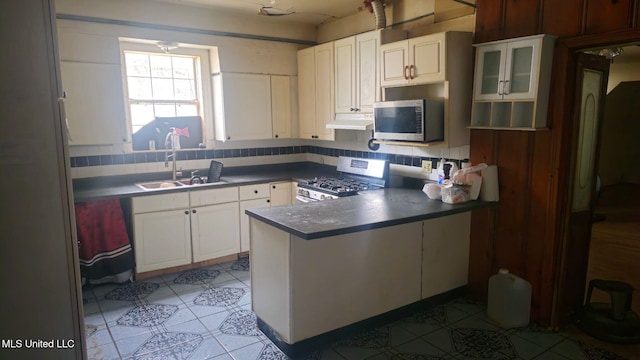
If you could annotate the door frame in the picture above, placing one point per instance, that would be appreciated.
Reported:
(562, 115)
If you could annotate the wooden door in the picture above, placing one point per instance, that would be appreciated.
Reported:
(591, 86)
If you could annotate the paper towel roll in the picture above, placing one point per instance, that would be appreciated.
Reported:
(489, 191)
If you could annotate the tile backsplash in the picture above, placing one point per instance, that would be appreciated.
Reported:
(105, 162)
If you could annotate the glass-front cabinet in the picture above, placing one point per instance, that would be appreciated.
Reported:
(511, 85)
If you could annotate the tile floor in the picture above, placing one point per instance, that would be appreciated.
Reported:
(206, 314)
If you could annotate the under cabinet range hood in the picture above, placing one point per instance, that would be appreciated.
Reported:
(352, 121)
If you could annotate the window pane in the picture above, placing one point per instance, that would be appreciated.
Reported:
(183, 68)
(186, 110)
(139, 88)
(184, 89)
(161, 66)
(165, 110)
(163, 89)
(137, 64)
(141, 114)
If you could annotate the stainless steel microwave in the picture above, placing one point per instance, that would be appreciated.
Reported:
(419, 120)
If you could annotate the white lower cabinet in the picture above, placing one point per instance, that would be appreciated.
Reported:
(215, 231)
(280, 193)
(251, 197)
(445, 253)
(180, 228)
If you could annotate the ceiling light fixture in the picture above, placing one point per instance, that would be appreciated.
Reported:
(167, 46)
(273, 11)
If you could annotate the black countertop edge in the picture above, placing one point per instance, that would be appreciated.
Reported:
(123, 186)
(458, 208)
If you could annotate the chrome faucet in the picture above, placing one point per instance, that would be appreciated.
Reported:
(170, 140)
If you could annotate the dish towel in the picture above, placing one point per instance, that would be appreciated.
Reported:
(104, 247)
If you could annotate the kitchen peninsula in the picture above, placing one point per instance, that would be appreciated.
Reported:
(323, 266)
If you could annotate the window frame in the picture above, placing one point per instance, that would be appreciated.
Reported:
(203, 89)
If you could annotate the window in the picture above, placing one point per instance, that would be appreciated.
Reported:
(165, 90)
(161, 85)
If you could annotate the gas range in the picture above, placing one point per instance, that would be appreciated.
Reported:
(355, 175)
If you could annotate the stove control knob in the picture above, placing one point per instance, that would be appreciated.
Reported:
(322, 197)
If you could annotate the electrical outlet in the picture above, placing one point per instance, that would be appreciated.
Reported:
(426, 166)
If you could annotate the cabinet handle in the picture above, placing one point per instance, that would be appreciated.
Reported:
(501, 87)
(193, 211)
(186, 212)
(406, 68)
(506, 88)
(412, 71)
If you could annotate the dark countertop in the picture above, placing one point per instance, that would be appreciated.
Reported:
(366, 211)
(123, 186)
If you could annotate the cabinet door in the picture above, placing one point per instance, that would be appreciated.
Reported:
(281, 106)
(307, 93)
(280, 193)
(247, 106)
(445, 245)
(215, 231)
(345, 74)
(394, 62)
(162, 239)
(521, 69)
(427, 59)
(95, 103)
(245, 238)
(325, 111)
(489, 72)
(367, 71)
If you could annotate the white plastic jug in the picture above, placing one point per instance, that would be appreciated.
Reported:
(509, 302)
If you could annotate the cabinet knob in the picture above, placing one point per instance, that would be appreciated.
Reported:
(228, 137)
(274, 186)
(186, 212)
(255, 191)
(193, 211)
(276, 136)
(268, 200)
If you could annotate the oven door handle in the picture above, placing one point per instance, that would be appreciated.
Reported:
(304, 199)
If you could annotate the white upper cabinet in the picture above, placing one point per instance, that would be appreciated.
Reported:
(316, 91)
(281, 106)
(508, 70)
(345, 74)
(357, 70)
(92, 80)
(420, 60)
(94, 104)
(242, 106)
(511, 86)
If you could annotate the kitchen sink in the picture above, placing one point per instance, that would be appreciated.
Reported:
(157, 185)
(187, 182)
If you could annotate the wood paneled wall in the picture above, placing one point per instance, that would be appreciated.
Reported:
(524, 233)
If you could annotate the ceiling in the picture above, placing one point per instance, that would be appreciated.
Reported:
(304, 11)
